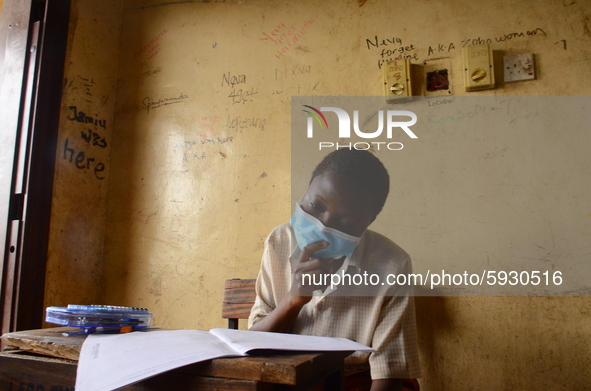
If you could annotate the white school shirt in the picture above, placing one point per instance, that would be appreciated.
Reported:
(386, 323)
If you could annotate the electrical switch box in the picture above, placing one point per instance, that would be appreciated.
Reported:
(397, 80)
(436, 77)
(478, 67)
(519, 67)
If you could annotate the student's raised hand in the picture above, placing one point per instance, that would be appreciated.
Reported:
(283, 317)
(306, 264)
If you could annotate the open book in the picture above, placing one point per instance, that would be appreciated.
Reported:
(111, 361)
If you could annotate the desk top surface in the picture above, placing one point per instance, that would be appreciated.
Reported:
(268, 367)
(50, 342)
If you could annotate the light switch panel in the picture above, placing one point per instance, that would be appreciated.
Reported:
(478, 67)
(397, 80)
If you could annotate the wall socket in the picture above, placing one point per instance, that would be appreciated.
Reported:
(519, 67)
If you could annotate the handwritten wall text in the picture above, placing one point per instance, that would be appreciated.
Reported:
(149, 103)
(286, 37)
(152, 48)
(92, 138)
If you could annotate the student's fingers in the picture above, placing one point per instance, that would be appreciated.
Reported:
(305, 267)
(310, 249)
(312, 265)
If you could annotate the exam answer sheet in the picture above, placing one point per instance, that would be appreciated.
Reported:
(111, 361)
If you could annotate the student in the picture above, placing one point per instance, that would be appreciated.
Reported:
(326, 235)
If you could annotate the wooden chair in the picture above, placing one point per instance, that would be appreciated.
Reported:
(238, 300)
(239, 296)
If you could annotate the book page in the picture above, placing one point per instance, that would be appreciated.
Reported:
(244, 341)
(110, 361)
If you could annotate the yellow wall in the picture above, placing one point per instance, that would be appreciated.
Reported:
(75, 266)
(196, 184)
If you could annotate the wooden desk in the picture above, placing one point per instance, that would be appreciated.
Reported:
(20, 369)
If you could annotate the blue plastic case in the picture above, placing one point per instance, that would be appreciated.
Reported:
(99, 318)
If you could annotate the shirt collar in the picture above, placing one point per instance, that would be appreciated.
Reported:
(357, 256)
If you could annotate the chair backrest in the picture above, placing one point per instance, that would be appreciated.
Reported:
(239, 296)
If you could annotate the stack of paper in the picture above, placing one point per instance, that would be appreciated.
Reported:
(108, 362)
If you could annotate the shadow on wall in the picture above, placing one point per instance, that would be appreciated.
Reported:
(435, 322)
(503, 343)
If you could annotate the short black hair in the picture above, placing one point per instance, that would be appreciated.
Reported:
(361, 168)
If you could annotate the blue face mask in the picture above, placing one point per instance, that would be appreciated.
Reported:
(308, 229)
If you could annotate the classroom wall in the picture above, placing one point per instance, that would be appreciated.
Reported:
(197, 113)
(75, 264)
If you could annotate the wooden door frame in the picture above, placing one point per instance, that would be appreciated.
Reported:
(32, 74)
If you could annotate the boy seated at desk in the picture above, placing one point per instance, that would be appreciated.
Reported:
(326, 235)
